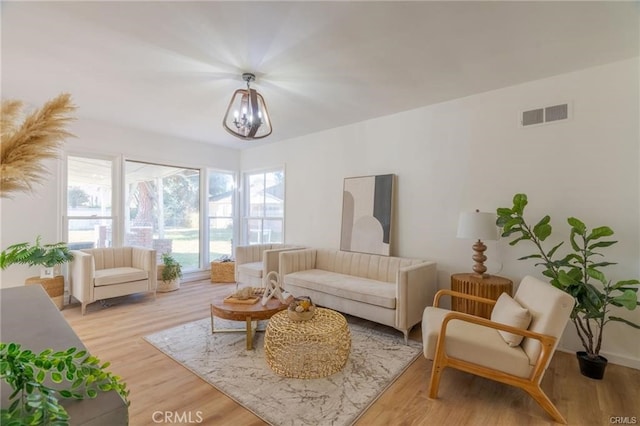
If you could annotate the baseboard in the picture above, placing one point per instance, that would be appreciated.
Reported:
(613, 358)
(195, 276)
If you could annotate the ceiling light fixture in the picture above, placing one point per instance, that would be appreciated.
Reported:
(247, 116)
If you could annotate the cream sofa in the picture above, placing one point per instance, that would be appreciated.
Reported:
(103, 273)
(254, 262)
(388, 290)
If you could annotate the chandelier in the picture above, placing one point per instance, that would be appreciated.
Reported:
(247, 116)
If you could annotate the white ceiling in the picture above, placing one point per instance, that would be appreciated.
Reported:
(171, 67)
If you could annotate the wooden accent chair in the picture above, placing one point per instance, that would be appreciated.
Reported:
(490, 347)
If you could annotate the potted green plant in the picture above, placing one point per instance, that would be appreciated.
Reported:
(577, 273)
(170, 272)
(47, 256)
(34, 401)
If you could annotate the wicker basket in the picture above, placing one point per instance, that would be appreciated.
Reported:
(223, 272)
(300, 316)
(304, 315)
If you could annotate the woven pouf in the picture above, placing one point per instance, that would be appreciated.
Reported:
(308, 349)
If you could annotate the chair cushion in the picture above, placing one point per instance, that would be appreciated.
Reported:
(348, 287)
(252, 269)
(472, 343)
(549, 307)
(509, 312)
(118, 276)
(111, 257)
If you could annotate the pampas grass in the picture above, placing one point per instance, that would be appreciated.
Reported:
(24, 146)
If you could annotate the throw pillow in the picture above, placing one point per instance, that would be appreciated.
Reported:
(509, 312)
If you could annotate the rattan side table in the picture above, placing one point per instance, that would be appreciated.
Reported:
(223, 272)
(309, 349)
(490, 287)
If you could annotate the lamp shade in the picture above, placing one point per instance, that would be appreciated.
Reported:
(477, 226)
(247, 117)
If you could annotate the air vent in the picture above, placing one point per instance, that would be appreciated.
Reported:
(534, 117)
(556, 112)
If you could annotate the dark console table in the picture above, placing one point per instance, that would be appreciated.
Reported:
(30, 318)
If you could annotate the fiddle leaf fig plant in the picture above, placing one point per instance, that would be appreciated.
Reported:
(36, 382)
(577, 273)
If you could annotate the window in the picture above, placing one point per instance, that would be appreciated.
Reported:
(110, 202)
(89, 213)
(162, 210)
(264, 207)
(221, 200)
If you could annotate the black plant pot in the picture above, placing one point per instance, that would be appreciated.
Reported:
(592, 367)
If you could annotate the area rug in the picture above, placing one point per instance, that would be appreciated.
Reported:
(377, 358)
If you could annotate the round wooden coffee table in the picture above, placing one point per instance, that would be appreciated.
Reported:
(245, 312)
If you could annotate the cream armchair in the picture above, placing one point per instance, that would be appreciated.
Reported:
(254, 262)
(503, 349)
(103, 273)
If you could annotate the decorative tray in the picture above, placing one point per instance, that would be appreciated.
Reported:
(235, 300)
(250, 298)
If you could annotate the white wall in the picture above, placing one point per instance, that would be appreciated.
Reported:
(471, 153)
(104, 138)
(24, 217)
(28, 215)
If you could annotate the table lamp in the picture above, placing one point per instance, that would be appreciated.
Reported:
(478, 226)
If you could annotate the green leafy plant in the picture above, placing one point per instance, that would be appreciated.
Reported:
(47, 255)
(577, 273)
(172, 269)
(32, 401)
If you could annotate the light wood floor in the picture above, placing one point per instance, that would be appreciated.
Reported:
(159, 384)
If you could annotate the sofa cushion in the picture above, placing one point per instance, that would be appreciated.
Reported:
(473, 343)
(118, 275)
(509, 312)
(345, 286)
(371, 266)
(252, 269)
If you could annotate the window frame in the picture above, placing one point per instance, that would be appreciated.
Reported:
(116, 165)
(208, 216)
(201, 210)
(118, 193)
(245, 195)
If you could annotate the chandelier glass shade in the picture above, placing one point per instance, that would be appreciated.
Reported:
(247, 117)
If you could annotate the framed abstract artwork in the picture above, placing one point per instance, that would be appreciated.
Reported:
(367, 207)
